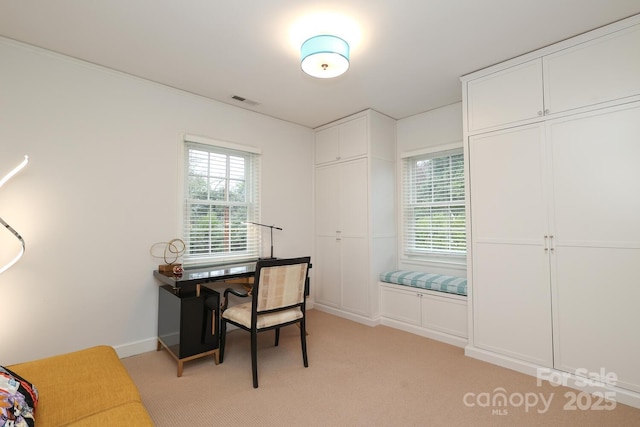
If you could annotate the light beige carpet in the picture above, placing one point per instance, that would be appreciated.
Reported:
(357, 376)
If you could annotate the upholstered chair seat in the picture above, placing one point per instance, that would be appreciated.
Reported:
(241, 313)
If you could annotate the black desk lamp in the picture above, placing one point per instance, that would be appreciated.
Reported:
(267, 226)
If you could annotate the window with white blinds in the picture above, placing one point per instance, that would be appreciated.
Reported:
(221, 191)
(433, 204)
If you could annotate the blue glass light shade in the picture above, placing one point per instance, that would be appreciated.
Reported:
(324, 56)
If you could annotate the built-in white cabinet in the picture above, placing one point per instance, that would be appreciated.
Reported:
(556, 241)
(554, 204)
(438, 315)
(595, 208)
(355, 230)
(342, 235)
(342, 142)
(506, 96)
(597, 71)
(572, 76)
(510, 262)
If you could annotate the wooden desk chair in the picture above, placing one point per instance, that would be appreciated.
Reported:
(278, 300)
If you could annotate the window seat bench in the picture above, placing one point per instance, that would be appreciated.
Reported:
(426, 304)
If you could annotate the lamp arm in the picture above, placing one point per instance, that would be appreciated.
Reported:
(267, 226)
(6, 178)
(22, 249)
(15, 170)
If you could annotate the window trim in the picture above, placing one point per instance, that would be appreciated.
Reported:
(223, 145)
(428, 259)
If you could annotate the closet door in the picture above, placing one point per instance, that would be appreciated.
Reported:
(511, 286)
(327, 277)
(354, 232)
(327, 263)
(341, 269)
(355, 275)
(596, 213)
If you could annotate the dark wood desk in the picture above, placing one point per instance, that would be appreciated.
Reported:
(191, 277)
(197, 276)
(189, 308)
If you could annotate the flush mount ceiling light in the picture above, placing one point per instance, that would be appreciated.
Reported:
(324, 56)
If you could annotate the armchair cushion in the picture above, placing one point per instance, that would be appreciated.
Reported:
(241, 314)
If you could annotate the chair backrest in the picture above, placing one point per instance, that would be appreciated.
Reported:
(280, 283)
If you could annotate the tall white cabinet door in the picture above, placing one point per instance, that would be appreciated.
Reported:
(355, 274)
(354, 197)
(342, 243)
(511, 291)
(596, 200)
(507, 186)
(507, 96)
(327, 263)
(512, 307)
(327, 271)
(327, 191)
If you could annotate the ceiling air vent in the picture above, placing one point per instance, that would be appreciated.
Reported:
(244, 100)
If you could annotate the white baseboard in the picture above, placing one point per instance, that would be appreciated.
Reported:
(345, 314)
(621, 395)
(138, 347)
(424, 332)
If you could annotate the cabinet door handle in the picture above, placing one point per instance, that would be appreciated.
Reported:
(551, 246)
(540, 112)
(546, 248)
(546, 111)
(338, 236)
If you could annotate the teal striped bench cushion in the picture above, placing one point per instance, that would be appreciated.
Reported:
(430, 281)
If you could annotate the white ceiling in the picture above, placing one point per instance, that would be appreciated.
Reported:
(408, 59)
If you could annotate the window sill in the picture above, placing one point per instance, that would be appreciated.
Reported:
(454, 263)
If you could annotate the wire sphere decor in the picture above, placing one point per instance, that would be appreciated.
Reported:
(169, 252)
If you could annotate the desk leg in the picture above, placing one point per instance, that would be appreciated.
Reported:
(215, 353)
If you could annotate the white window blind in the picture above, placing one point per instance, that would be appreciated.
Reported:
(433, 204)
(221, 195)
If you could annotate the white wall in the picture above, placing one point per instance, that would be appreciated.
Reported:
(439, 127)
(101, 188)
(430, 129)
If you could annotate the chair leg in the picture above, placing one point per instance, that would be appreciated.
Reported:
(303, 340)
(223, 338)
(277, 336)
(254, 357)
